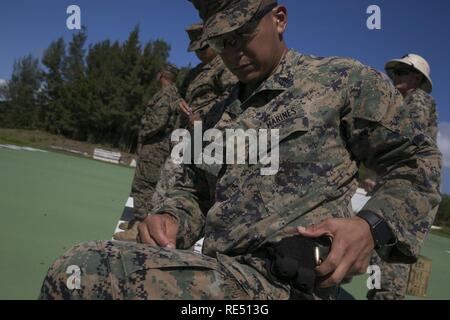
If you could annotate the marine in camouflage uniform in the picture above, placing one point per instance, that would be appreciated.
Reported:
(332, 113)
(422, 109)
(157, 125)
(210, 81)
(204, 86)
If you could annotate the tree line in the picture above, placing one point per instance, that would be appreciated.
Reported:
(96, 94)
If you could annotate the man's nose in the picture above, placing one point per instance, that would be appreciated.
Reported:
(233, 55)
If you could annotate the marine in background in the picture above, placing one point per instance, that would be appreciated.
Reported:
(411, 76)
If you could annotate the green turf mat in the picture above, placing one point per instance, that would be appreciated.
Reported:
(438, 250)
(48, 203)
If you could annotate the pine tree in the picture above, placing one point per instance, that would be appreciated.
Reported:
(97, 95)
(22, 92)
(55, 115)
(76, 89)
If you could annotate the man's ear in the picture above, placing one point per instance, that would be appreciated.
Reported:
(281, 18)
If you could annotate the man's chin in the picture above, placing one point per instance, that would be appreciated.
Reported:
(249, 78)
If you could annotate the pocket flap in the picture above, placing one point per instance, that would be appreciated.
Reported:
(294, 127)
(158, 258)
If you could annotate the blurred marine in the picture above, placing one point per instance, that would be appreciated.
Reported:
(157, 125)
(411, 75)
(203, 86)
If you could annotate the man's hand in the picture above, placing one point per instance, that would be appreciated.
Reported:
(352, 248)
(194, 118)
(185, 109)
(159, 230)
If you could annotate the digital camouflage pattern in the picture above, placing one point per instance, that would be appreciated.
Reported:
(204, 86)
(170, 173)
(209, 84)
(159, 121)
(333, 114)
(394, 277)
(394, 280)
(224, 16)
(195, 33)
(423, 110)
(121, 271)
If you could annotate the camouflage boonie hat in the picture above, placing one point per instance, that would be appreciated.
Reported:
(195, 33)
(224, 16)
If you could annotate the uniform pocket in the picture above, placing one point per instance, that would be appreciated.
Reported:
(157, 258)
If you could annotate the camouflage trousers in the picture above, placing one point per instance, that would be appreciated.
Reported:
(124, 271)
(394, 280)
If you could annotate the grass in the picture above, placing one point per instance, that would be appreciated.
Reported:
(437, 249)
(9, 138)
(30, 138)
(46, 141)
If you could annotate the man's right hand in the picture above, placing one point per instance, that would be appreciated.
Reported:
(185, 109)
(159, 230)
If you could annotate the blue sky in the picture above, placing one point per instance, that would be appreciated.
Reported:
(320, 27)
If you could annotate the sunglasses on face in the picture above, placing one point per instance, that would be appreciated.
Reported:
(241, 36)
(402, 72)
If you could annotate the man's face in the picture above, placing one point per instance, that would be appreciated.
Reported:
(206, 55)
(406, 79)
(254, 57)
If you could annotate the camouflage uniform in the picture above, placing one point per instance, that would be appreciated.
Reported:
(394, 277)
(332, 114)
(208, 84)
(423, 111)
(203, 86)
(158, 122)
(211, 85)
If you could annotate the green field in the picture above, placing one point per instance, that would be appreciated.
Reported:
(50, 201)
(438, 250)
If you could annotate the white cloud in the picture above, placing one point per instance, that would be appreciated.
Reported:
(444, 142)
(2, 82)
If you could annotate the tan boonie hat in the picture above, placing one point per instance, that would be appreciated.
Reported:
(416, 62)
(195, 33)
(224, 16)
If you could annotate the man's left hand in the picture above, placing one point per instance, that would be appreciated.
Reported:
(352, 248)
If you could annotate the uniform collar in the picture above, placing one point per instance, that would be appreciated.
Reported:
(282, 80)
